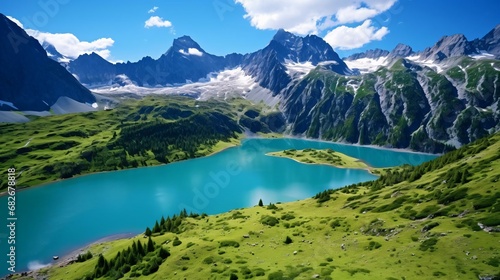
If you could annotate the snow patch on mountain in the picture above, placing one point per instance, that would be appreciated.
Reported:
(483, 55)
(10, 104)
(367, 65)
(438, 67)
(66, 105)
(225, 84)
(354, 85)
(191, 51)
(298, 69)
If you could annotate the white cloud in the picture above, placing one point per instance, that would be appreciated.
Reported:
(191, 51)
(70, 46)
(315, 16)
(346, 38)
(156, 21)
(312, 16)
(154, 9)
(16, 21)
(354, 14)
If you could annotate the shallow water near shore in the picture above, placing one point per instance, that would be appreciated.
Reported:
(60, 217)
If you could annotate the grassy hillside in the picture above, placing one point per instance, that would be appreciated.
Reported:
(436, 221)
(150, 131)
(325, 156)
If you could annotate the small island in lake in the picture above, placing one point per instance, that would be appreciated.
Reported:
(323, 156)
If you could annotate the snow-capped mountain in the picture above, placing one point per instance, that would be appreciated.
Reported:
(371, 60)
(446, 95)
(29, 79)
(186, 62)
(53, 54)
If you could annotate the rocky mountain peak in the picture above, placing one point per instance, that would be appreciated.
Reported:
(401, 50)
(448, 46)
(185, 43)
(373, 54)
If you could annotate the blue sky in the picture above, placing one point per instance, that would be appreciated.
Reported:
(118, 30)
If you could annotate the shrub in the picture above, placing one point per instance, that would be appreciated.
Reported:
(233, 277)
(287, 217)
(491, 220)
(288, 240)
(493, 261)
(208, 260)
(398, 202)
(453, 196)
(246, 271)
(373, 245)
(272, 207)
(176, 242)
(335, 223)
(84, 257)
(428, 244)
(430, 226)
(229, 243)
(429, 210)
(259, 272)
(278, 275)
(269, 220)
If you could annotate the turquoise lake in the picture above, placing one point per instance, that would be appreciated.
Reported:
(60, 217)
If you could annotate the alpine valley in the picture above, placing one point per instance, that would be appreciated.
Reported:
(432, 101)
(429, 211)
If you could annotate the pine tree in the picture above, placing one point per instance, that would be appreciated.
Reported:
(100, 261)
(140, 249)
(148, 232)
(151, 245)
(156, 228)
(134, 248)
(261, 204)
(168, 225)
(183, 213)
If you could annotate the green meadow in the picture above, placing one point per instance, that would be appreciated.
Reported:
(151, 131)
(326, 156)
(435, 221)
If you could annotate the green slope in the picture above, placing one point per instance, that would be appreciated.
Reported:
(412, 223)
(150, 131)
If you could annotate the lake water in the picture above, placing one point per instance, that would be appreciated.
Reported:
(60, 217)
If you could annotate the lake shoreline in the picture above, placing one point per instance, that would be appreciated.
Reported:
(20, 189)
(369, 169)
(71, 257)
(405, 150)
(232, 145)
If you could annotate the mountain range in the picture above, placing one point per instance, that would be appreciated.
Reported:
(434, 100)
